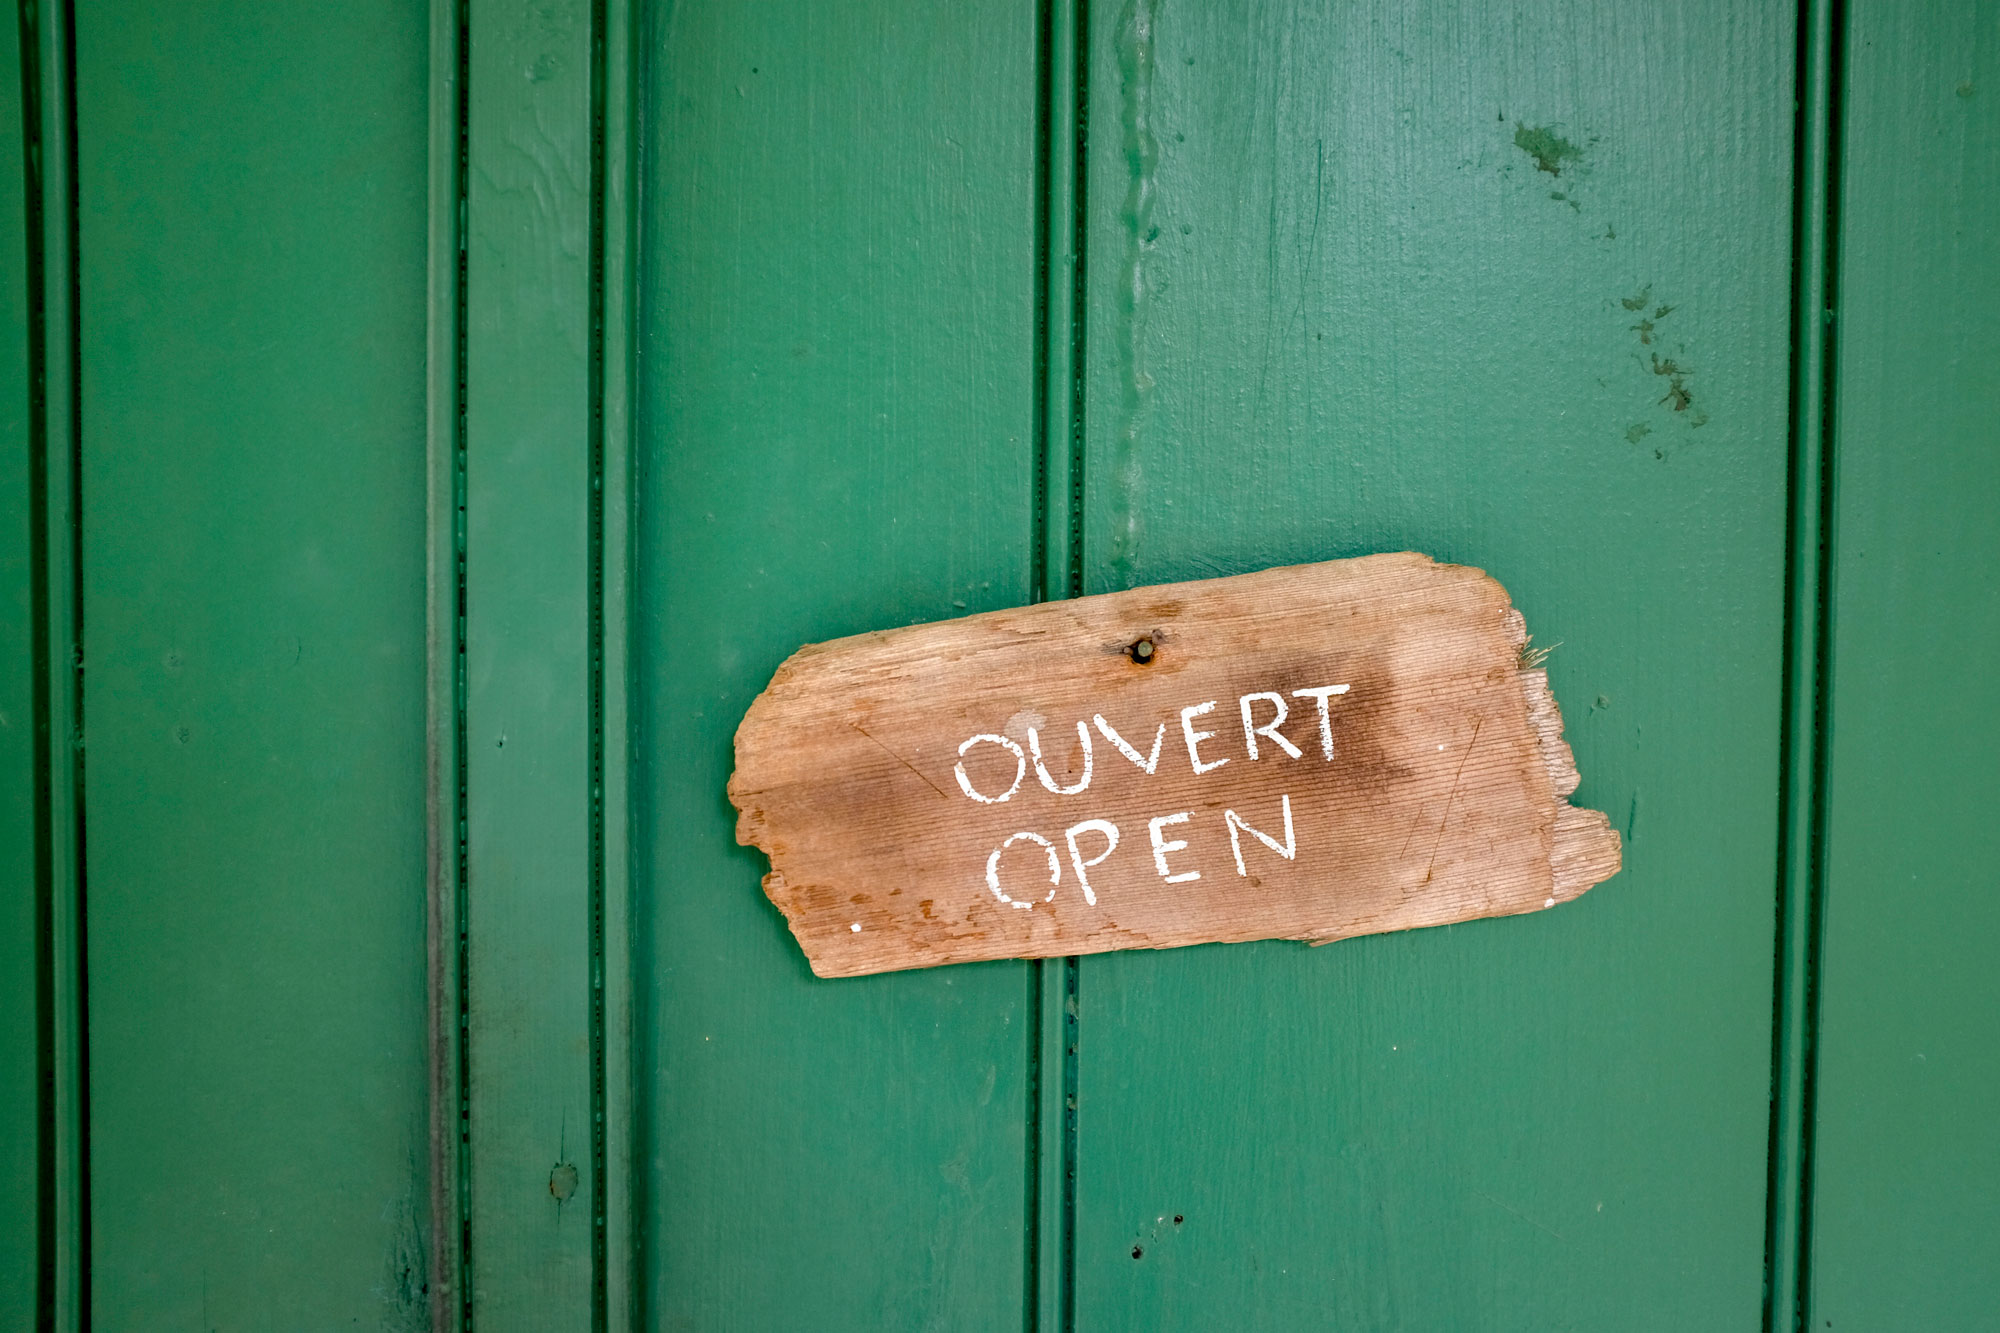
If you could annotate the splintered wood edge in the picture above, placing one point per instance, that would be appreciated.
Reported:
(753, 829)
(1585, 849)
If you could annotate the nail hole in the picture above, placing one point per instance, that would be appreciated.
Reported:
(1178, 1219)
(1136, 1251)
(1142, 651)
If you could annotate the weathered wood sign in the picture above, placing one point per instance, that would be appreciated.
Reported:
(1308, 753)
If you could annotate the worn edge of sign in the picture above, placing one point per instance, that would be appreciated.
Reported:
(1584, 850)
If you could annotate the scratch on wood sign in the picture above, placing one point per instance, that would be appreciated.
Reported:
(1308, 753)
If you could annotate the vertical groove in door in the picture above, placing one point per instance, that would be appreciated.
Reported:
(1046, 356)
(1078, 296)
(1032, 1315)
(461, 623)
(594, 572)
(1069, 1013)
(1057, 573)
(609, 560)
(1802, 796)
(613, 280)
(450, 1237)
(56, 607)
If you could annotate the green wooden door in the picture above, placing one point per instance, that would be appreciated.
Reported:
(1304, 283)
(424, 428)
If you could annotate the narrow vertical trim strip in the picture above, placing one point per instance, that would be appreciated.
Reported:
(445, 654)
(533, 684)
(1802, 794)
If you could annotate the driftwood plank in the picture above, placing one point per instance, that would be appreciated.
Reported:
(1306, 753)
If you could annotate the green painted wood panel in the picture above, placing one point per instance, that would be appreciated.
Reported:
(21, 933)
(1508, 285)
(1906, 1167)
(528, 706)
(835, 432)
(252, 232)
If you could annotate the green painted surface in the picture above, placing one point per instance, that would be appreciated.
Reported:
(1511, 287)
(252, 239)
(527, 723)
(835, 433)
(20, 935)
(1906, 1198)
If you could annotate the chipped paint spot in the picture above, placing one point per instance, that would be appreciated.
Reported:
(1678, 396)
(1550, 150)
(404, 1287)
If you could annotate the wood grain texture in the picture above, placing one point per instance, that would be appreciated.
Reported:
(1337, 306)
(1905, 1216)
(1431, 788)
(252, 223)
(835, 425)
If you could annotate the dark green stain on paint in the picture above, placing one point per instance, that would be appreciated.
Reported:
(1549, 149)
